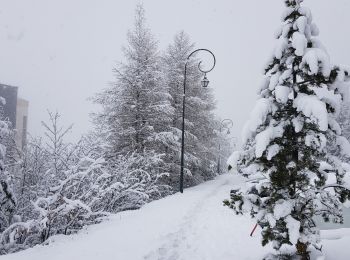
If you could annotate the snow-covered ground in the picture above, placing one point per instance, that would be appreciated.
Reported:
(189, 226)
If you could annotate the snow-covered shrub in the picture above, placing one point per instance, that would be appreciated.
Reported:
(39, 166)
(130, 182)
(19, 236)
(8, 201)
(67, 209)
(92, 189)
(63, 210)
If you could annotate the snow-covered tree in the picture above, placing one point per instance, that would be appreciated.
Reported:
(226, 145)
(136, 115)
(58, 150)
(136, 109)
(201, 136)
(286, 139)
(338, 145)
(344, 119)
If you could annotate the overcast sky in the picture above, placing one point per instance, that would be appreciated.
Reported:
(59, 53)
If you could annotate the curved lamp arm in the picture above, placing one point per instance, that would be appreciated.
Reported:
(228, 126)
(199, 64)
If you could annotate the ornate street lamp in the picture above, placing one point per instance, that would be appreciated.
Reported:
(204, 83)
(226, 124)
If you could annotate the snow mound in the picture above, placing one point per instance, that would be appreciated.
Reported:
(264, 138)
(299, 43)
(282, 94)
(316, 61)
(312, 108)
(258, 116)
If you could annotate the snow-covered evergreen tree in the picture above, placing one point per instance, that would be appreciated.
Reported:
(344, 119)
(225, 143)
(136, 109)
(136, 114)
(286, 138)
(337, 146)
(201, 123)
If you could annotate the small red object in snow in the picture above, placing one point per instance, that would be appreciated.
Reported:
(251, 233)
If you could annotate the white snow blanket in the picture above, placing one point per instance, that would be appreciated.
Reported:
(189, 226)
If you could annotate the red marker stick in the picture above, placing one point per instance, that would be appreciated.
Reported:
(251, 233)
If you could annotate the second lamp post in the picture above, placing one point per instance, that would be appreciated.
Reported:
(205, 83)
(225, 124)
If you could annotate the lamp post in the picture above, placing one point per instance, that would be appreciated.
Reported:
(225, 124)
(204, 83)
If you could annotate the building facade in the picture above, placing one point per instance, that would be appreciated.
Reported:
(16, 111)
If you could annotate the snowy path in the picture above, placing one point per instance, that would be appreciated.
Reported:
(189, 226)
(206, 231)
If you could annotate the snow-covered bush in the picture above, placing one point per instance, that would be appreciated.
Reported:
(67, 209)
(93, 188)
(19, 236)
(130, 182)
(63, 210)
(8, 201)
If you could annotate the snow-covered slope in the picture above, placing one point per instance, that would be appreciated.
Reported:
(189, 226)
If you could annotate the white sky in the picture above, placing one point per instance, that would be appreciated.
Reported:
(61, 52)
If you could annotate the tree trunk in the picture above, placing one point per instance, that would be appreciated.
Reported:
(302, 251)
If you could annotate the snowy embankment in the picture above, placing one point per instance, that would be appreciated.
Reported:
(193, 226)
